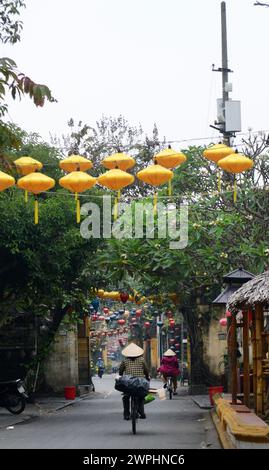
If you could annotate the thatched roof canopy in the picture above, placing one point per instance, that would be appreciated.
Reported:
(250, 294)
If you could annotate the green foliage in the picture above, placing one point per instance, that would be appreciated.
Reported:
(10, 27)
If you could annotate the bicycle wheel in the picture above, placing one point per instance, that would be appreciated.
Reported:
(170, 389)
(134, 411)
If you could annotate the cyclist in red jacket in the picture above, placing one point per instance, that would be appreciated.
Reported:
(170, 368)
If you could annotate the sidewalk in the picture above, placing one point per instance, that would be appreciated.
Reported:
(41, 407)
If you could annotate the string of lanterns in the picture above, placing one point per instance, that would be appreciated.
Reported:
(77, 180)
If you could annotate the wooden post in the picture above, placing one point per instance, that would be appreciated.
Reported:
(229, 350)
(259, 328)
(233, 339)
(246, 385)
(254, 358)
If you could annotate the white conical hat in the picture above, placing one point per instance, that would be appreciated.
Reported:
(169, 352)
(132, 350)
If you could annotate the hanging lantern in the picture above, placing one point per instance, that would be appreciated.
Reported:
(94, 317)
(235, 163)
(228, 314)
(6, 181)
(170, 158)
(177, 345)
(172, 323)
(155, 175)
(101, 318)
(75, 163)
(25, 166)
(124, 297)
(118, 160)
(169, 314)
(100, 292)
(36, 183)
(223, 322)
(77, 182)
(159, 323)
(126, 314)
(138, 313)
(147, 324)
(116, 180)
(215, 153)
(121, 321)
(106, 310)
(171, 340)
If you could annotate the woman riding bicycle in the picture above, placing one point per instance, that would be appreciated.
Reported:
(133, 365)
(170, 368)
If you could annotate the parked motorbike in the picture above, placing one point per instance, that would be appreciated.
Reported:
(13, 396)
(100, 372)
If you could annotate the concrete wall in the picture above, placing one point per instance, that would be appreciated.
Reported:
(214, 348)
(61, 369)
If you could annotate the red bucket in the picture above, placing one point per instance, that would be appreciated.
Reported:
(212, 391)
(70, 393)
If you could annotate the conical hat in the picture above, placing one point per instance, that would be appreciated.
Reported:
(169, 352)
(132, 350)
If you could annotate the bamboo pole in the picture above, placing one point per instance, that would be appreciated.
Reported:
(233, 340)
(259, 327)
(246, 386)
(254, 358)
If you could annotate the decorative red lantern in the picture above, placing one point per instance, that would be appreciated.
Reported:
(138, 313)
(133, 320)
(105, 310)
(124, 297)
(228, 314)
(94, 317)
(101, 318)
(177, 345)
(172, 323)
(171, 340)
(223, 322)
(147, 324)
(121, 321)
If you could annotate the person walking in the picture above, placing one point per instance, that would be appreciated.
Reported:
(133, 364)
(170, 368)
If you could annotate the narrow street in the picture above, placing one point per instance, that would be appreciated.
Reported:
(96, 422)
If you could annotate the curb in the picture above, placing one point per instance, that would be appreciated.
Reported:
(223, 436)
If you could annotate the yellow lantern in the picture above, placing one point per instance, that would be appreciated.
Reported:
(235, 163)
(170, 158)
(100, 293)
(25, 166)
(115, 179)
(215, 153)
(118, 160)
(75, 163)
(77, 182)
(36, 183)
(6, 181)
(155, 175)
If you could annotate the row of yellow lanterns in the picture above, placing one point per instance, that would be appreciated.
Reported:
(229, 160)
(137, 298)
(116, 178)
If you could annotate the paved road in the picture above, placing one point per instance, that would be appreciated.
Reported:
(96, 422)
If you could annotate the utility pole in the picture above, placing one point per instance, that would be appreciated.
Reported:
(229, 115)
(225, 71)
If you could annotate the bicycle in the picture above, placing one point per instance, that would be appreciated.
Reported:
(134, 412)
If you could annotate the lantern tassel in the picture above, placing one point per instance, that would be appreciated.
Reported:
(169, 188)
(219, 181)
(36, 211)
(235, 190)
(116, 208)
(78, 210)
(26, 196)
(155, 203)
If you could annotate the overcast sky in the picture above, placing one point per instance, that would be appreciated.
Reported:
(149, 60)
